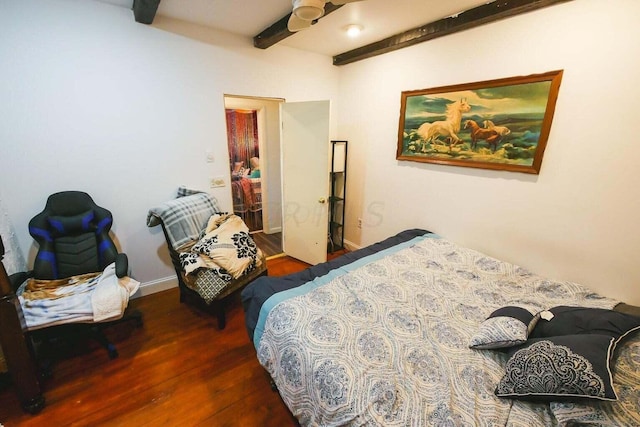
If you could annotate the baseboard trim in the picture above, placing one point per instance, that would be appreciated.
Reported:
(155, 286)
(166, 283)
(351, 246)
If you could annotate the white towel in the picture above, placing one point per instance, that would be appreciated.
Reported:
(111, 295)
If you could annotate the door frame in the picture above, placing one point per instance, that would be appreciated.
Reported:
(267, 170)
(271, 203)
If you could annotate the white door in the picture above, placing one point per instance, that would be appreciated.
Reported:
(305, 180)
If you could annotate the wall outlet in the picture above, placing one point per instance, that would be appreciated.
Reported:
(359, 222)
(217, 181)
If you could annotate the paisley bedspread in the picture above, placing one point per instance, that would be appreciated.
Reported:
(384, 340)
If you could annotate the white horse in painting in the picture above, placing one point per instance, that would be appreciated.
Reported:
(449, 128)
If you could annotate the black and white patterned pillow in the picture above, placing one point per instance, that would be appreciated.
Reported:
(625, 411)
(560, 368)
(505, 327)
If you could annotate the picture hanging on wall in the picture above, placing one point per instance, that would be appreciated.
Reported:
(498, 124)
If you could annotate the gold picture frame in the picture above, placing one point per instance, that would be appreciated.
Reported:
(500, 124)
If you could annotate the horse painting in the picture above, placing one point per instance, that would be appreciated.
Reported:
(449, 128)
(490, 135)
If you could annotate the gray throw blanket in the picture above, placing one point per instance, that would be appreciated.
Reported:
(185, 217)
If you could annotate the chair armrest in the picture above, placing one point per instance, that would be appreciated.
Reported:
(17, 279)
(122, 265)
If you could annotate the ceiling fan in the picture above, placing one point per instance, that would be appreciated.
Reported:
(307, 11)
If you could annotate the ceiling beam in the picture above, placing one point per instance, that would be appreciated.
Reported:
(279, 31)
(471, 18)
(144, 11)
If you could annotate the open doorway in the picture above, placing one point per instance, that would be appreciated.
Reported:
(253, 139)
(244, 164)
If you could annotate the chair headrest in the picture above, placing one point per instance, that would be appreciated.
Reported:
(69, 212)
(69, 203)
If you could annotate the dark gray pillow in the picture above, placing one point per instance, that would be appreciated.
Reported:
(505, 327)
(569, 367)
(582, 320)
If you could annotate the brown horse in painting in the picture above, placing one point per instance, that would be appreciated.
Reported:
(490, 135)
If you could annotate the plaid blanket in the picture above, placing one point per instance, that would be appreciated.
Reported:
(185, 217)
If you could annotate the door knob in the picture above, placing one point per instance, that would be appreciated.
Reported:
(322, 200)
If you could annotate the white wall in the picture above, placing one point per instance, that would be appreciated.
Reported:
(579, 219)
(93, 101)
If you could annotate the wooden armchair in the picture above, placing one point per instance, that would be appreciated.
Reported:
(183, 220)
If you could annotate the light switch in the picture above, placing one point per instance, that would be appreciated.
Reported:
(210, 157)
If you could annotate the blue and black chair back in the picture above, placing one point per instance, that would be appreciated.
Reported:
(73, 235)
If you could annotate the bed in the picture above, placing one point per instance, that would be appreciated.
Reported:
(381, 337)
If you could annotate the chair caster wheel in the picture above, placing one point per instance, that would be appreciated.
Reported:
(33, 406)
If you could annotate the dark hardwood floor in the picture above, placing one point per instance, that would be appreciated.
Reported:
(270, 244)
(177, 370)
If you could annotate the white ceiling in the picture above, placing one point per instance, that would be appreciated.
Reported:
(380, 19)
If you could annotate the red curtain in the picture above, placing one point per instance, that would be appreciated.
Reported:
(242, 136)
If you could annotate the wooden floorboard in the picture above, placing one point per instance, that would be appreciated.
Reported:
(178, 369)
(270, 244)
